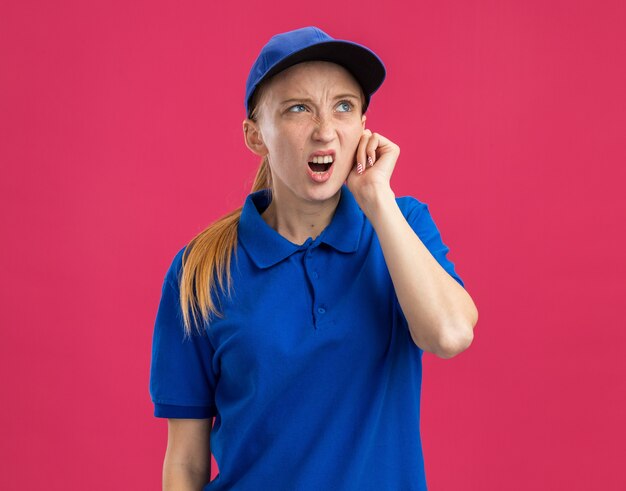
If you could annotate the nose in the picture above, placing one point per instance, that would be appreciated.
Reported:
(324, 127)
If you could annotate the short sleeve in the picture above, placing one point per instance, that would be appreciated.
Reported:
(182, 380)
(419, 218)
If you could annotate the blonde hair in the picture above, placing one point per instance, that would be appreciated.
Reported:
(207, 257)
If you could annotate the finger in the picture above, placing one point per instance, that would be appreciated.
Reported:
(370, 149)
(361, 155)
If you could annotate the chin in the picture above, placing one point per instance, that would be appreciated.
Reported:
(323, 192)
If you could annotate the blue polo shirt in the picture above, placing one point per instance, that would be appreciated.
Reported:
(311, 374)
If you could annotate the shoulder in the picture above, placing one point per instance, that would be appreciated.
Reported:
(418, 215)
(175, 268)
(411, 207)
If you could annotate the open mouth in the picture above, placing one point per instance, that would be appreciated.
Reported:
(321, 163)
(319, 167)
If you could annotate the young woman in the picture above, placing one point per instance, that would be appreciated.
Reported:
(297, 322)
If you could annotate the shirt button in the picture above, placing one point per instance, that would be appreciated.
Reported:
(315, 275)
(321, 310)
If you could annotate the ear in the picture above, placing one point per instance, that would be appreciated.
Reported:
(253, 138)
(363, 118)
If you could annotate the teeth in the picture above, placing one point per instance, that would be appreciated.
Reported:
(319, 159)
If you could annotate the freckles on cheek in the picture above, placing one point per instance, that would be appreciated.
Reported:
(353, 148)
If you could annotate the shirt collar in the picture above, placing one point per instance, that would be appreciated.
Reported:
(267, 247)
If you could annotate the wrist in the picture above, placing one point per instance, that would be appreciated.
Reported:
(376, 202)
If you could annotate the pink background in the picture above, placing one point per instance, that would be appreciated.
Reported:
(121, 139)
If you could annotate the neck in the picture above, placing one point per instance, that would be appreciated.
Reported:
(297, 221)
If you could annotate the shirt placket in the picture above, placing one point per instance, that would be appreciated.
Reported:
(316, 278)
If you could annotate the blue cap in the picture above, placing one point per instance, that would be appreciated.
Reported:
(311, 43)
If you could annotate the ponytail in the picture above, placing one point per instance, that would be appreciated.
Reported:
(206, 261)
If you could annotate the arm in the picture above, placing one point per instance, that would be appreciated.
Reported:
(187, 464)
(440, 313)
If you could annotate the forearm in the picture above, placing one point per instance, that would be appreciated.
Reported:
(440, 313)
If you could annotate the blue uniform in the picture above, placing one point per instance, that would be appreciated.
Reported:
(311, 373)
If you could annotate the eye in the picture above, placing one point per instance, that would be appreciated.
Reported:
(346, 105)
(291, 109)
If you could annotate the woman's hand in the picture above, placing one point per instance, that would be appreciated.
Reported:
(369, 179)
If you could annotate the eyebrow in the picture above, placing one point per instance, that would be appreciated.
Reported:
(306, 99)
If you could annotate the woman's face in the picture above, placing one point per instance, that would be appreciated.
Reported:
(310, 108)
